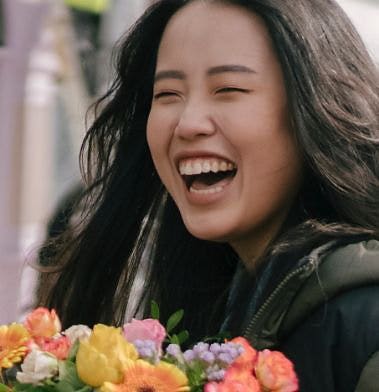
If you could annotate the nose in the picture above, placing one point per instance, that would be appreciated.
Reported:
(195, 120)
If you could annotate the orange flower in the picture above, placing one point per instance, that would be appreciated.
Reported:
(43, 323)
(247, 360)
(275, 372)
(142, 376)
(13, 344)
(58, 346)
(235, 380)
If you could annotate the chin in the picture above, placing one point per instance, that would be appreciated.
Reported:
(210, 232)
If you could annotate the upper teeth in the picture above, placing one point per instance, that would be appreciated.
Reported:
(200, 165)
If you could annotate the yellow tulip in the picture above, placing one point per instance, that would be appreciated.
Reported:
(104, 356)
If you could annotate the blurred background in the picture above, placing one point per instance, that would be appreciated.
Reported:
(55, 59)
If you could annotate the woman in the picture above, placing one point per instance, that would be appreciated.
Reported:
(236, 158)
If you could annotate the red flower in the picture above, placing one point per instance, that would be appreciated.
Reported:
(236, 380)
(275, 372)
(58, 346)
(248, 359)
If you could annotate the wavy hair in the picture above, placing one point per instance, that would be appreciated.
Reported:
(129, 220)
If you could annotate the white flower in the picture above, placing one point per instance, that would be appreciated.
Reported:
(78, 332)
(37, 366)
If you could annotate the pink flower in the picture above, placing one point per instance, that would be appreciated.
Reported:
(275, 372)
(57, 346)
(235, 380)
(147, 329)
(43, 323)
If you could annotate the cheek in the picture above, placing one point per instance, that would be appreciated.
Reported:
(272, 164)
(159, 128)
(158, 139)
(155, 137)
(154, 143)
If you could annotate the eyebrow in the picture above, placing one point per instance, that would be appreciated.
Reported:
(230, 68)
(169, 74)
(174, 74)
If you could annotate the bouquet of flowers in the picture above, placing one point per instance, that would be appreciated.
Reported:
(143, 356)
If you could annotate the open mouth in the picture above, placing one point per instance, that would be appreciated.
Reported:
(207, 175)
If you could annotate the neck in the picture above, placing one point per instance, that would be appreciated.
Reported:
(251, 252)
(252, 246)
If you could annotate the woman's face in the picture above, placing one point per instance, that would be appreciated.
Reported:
(219, 130)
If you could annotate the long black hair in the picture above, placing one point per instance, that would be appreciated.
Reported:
(130, 220)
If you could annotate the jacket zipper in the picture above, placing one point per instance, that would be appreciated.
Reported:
(311, 264)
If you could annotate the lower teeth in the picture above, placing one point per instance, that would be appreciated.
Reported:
(207, 191)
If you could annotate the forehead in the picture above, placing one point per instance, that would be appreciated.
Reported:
(216, 32)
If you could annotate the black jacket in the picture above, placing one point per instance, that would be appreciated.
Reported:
(321, 311)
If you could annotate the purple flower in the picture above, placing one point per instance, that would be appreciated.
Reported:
(214, 373)
(215, 348)
(213, 359)
(174, 350)
(207, 356)
(147, 349)
(189, 355)
(200, 347)
(225, 358)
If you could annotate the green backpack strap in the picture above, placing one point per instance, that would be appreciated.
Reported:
(346, 268)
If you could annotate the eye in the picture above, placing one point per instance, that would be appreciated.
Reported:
(166, 95)
(225, 90)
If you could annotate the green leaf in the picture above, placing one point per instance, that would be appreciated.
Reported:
(197, 388)
(4, 388)
(174, 339)
(174, 320)
(19, 387)
(68, 377)
(183, 336)
(64, 386)
(154, 310)
(86, 388)
(219, 338)
(196, 376)
(73, 351)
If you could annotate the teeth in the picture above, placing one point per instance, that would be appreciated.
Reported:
(206, 167)
(216, 189)
(197, 166)
(214, 166)
(224, 166)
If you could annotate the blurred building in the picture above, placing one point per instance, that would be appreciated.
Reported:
(54, 60)
(43, 101)
(21, 26)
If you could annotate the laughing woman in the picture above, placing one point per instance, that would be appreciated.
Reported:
(235, 162)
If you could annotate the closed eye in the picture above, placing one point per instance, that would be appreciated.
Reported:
(165, 94)
(232, 90)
